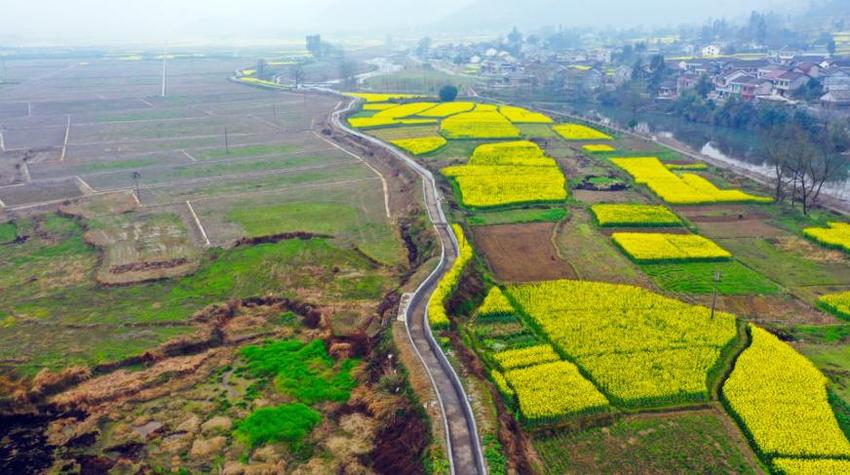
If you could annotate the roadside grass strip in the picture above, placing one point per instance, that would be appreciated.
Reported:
(792, 466)
(551, 391)
(685, 189)
(640, 348)
(836, 304)
(660, 247)
(479, 125)
(437, 317)
(420, 145)
(523, 357)
(598, 148)
(447, 109)
(505, 174)
(369, 97)
(520, 115)
(638, 215)
(780, 398)
(496, 304)
(835, 235)
(579, 132)
(687, 166)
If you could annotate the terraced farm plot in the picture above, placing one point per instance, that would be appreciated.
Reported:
(686, 442)
(521, 253)
(639, 348)
(508, 173)
(628, 215)
(479, 125)
(579, 132)
(593, 256)
(799, 273)
(659, 247)
(139, 248)
(684, 189)
(698, 278)
(781, 399)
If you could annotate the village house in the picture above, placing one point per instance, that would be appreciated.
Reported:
(789, 82)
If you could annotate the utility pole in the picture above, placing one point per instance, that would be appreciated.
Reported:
(717, 277)
(136, 177)
(226, 142)
(164, 74)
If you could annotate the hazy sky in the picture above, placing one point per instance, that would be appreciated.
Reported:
(175, 21)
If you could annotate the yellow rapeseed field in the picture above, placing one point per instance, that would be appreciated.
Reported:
(421, 145)
(437, 316)
(479, 125)
(662, 247)
(835, 235)
(598, 148)
(378, 106)
(683, 190)
(495, 304)
(641, 348)
(634, 215)
(838, 304)
(791, 466)
(519, 115)
(448, 108)
(508, 173)
(579, 132)
(781, 398)
(523, 357)
(550, 391)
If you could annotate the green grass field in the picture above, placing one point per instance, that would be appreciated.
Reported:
(48, 284)
(346, 222)
(249, 151)
(8, 232)
(698, 278)
(517, 216)
(695, 442)
(790, 269)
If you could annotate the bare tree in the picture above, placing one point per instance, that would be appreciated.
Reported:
(298, 75)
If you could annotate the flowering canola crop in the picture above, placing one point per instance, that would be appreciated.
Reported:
(368, 97)
(838, 304)
(598, 148)
(448, 108)
(479, 125)
(791, 466)
(640, 348)
(523, 357)
(550, 391)
(519, 115)
(660, 247)
(835, 235)
(579, 132)
(495, 304)
(437, 316)
(421, 145)
(685, 189)
(781, 398)
(509, 173)
(634, 215)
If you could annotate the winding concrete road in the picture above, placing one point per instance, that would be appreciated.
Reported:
(465, 453)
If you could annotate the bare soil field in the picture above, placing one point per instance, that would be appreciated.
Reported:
(522, 253)
(742, 228)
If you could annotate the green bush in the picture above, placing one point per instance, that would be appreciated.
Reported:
(303, 371)
(290, 423)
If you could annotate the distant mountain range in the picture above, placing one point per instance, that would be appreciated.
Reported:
(501, 15)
